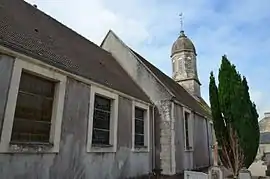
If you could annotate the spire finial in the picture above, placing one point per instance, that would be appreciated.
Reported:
(181, 21)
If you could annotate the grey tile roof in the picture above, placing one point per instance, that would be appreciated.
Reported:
(178, 91)
(25, 29)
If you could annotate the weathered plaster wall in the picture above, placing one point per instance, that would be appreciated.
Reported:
(72, 161)
(157, 93)
(197, 158)
(6, 66)
(135, 69)
(166, 140)
(179, 138)
(201, 143)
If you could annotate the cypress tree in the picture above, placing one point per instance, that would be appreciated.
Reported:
(234, 116)
(251, 129)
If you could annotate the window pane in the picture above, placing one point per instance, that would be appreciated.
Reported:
(101, 119)
(139, 113)
(33, 107)
(102, 103)
(139, 140)
(101, 137)
(139, 127)
(187, 134)
(33, 112)
(36, 85)
(186, 115)
(30, 131)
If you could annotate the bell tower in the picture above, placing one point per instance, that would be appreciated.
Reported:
(184, 65)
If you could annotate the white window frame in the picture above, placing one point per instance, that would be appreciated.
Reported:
(145, 107)
(113, 120)
(57, 110)
(190, 129)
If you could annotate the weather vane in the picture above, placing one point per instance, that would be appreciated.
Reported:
(181, 20)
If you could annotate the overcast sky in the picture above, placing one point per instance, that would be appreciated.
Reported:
(238, 28)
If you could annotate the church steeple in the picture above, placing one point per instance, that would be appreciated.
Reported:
(184, 65)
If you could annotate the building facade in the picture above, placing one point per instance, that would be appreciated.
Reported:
(183, 128)
(64, 113)
(72, 109)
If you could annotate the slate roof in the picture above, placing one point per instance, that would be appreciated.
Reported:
(178, 91)
(27, 30)
(265, 138)
(205, 106)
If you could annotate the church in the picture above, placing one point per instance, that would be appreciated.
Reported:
(72, 109)
(183, 133)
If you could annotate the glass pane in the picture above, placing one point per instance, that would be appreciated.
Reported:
(186, 131)
(139, 140)
(186, 115)
(36, 85)
(33, 107)
(139, 113)
(100, 137)
(102, 103)
(30, 131)
(139, 127)
(101, 119)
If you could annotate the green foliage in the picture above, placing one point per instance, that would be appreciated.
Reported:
(231, 106)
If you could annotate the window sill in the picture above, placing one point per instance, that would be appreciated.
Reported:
(31, 144)
(189, 149)
(29, 147)
(140, 149)
(101, 148)
(102, 145)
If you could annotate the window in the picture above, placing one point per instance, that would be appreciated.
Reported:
(103, 118)
(173, 65)
(33, 112)
(188, 129)
(34, 109)
(139, 127)
(101, 121)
